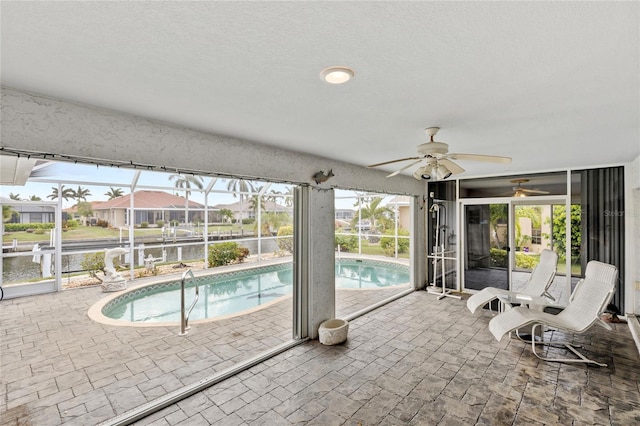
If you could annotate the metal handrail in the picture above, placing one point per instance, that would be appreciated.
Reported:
(184, 316)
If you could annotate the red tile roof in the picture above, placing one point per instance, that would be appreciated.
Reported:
(147, 200)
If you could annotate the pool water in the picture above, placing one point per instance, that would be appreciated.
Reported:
(235, 292)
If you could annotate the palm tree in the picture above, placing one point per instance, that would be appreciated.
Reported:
(114, 193)
(66, 193)
(288, 200)
(240, 186)
(254, 201)
(374, 212)
(274, 195)
(185, 182)
(81, 194)
(14, 196)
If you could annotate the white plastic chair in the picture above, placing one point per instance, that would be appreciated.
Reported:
(588, 301)
(539, 282)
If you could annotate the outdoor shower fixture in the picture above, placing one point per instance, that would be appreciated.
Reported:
(438, 256)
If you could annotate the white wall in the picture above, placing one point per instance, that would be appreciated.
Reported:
(37, 123)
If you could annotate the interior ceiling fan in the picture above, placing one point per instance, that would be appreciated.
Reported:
(520, 191)
(436, 159)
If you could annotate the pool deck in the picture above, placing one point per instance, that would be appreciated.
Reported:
(59, 366)
(417, 360)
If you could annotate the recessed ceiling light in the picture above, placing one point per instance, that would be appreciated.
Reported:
(336, 75)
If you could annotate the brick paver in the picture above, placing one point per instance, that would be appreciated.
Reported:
(420, 361)
(58, 366)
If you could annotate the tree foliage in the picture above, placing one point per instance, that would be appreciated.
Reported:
(558, 228)
(65, 194)
(81, 193)
(286, 243)
(7, 212)
(84, 209)
(388, 242)
(186, 183)
(377, 215)
(114, 193)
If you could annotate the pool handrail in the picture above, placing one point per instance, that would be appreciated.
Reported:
(184, 316)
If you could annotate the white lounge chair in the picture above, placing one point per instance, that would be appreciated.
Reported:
(539, 282)
(588, 301)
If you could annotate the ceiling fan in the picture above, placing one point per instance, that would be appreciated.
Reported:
(520, 191)
(437, 159)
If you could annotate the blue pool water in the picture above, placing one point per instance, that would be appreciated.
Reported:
(235, 292)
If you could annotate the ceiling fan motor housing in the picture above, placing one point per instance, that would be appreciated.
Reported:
(430, 148)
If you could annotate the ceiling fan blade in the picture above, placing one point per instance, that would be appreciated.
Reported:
(394, 161)
(534, 191)
(404, 168)
(478, 157)
(453, 167)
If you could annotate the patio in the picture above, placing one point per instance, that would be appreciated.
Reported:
(414, 361)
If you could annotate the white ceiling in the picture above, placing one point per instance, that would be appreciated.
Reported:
(551, 84)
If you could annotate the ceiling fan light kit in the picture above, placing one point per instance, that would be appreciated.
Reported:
(437, 159)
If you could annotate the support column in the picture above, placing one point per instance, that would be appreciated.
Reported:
(314, 258)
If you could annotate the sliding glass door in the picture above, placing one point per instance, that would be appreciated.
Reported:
(486, 245)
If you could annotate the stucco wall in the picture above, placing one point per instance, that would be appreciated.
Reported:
(37, 123)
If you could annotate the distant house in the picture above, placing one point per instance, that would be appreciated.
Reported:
(148, 206)
(404, 210)
(72, 213)
(245, 210)
(30, 211)
(345, 214)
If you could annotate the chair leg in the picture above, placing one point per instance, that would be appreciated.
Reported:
(582, 359)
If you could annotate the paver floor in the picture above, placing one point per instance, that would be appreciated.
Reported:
(58, 366)
(420, 361)
(417, 360)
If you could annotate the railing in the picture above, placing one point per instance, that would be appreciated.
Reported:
(184, 316)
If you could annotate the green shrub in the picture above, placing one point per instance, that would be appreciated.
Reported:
(388, 242)
(226, 253)
(17, 227)
(248, 221)
(286, 243)
(159, 223)
(144, 224)
(525, 262)
(39, 231)
(174, 223)
(347, 243)
(498, 258)
(71, 224)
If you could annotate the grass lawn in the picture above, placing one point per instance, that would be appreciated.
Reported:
(98, 233)
(376, 250)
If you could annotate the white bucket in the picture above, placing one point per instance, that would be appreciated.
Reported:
(333, 331)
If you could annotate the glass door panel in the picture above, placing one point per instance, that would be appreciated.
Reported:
(486, 254)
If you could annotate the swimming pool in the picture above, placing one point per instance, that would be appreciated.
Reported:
(230, 293)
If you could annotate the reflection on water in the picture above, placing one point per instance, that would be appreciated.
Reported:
(218, 297)
(245, 290)
(355, 274)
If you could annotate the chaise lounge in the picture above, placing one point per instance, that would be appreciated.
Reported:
(588, 301)
(538, 284)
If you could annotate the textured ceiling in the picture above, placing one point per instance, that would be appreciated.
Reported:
(552, 85)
